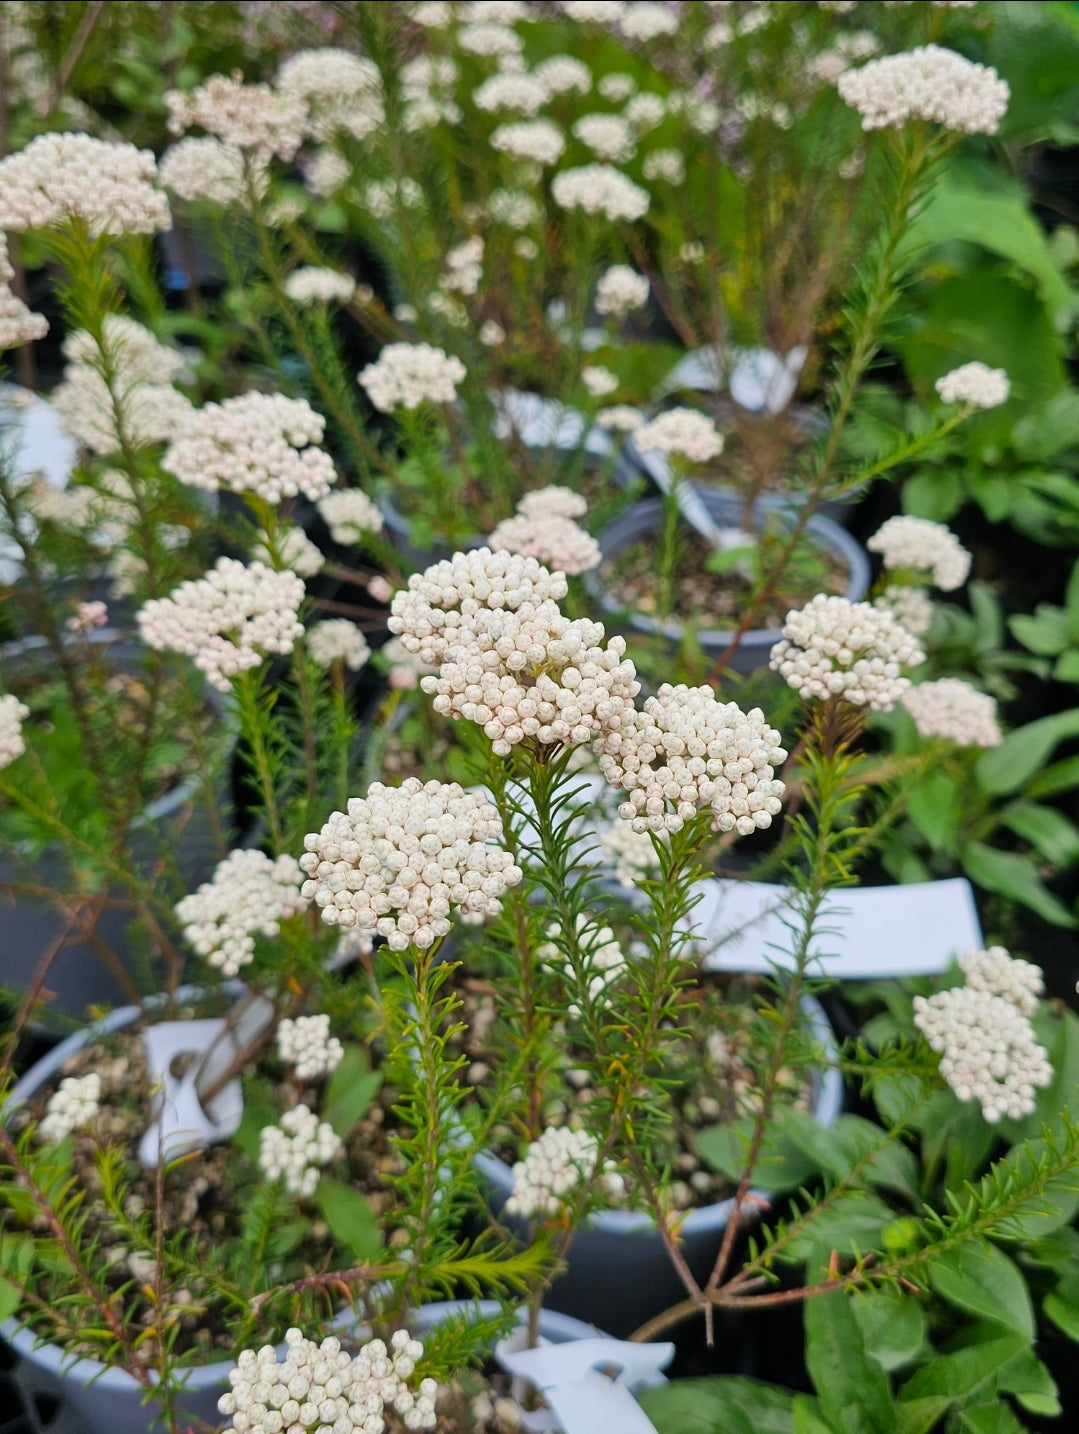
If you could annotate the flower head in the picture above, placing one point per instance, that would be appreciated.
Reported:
(557, 541)
(680, 432)
(538, 140)
(600, 189)
(203, 168)
(953, 709)
(406, 375)
(920, 545)
(261, 443)
(555, 1166)
(311, 285)
(989, 1052)
(61, 177)
(13, 714)
(306, 1044)
(73, 1105)
(563, 73)
(927, 83)
(976, 384)
(340, 91)
(993, 970)
(246, 117)
(609, 136)
(294, 550)
(836, 648)
(249, 894)
(338, 640)
(552, 502)
(296, 1150)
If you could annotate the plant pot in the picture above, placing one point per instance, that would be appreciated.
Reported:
(645, 519)
(618, 1274)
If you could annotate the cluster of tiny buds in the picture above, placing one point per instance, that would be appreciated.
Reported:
(609, 136)
(17, 324)
(600, 189)
(835, 648)
(13, 714)
(306, 1044)
(685, 751)
(297, 1149)
(952, 709)
(338, 640)
(922, 546)
(1018, 982)
(913, 607)
(246, 117)
(60, 177)
(537, 140)
(406, 375)
(926, 83)
(349, 514)
(543, 529)
(680, 433)
(312, 285)
(72, 1106)
(556, 1165)
(403, 858)
(86, 617)
(250, 894)
(292, 549)
(976, 384)
(552, 502)
(203, 168)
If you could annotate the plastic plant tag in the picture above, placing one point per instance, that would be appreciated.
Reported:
(581, 1398)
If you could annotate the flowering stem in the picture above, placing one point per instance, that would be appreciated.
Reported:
(253, 720)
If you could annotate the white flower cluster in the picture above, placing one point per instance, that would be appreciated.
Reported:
(326, 171)
(337, 640)
(227, 620)
(426, 83)
(922, 546)
(349, 514)
(441, 606)
(993, 970)
(312, 285)
(406, 375)
(74, 1104)
(481, 38)
(59, 177)
(646, 20)
(684, 752)
(852, 650)
(262, 443)
(680, 432)
(404, 857)
(246, 117)
(953, 709)
(204, 168)
(600, 952)
(616, 87)
(514, 208)
(927, 83)
(306, 1043)
(319, 1389)
(609, 136)
(620, 418)
(464, 268)
(668, 165)
(600, 189)
(554, 1166)
(563, 73)
(543, 529)
(297, 1149)
(598, 380)
(982, 1032)
(646, 110)
(976, 384)
(339, 90)
(632, 853)
(595, 12)
(295, 551)
(510, 90)
(537, 140)
(12, 715)
(552, 502)
(18, 325)
(913, 607)
(249, 894)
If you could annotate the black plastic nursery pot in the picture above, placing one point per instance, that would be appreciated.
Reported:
(645, 519)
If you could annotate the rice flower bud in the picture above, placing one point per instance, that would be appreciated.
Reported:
(601, 957)
(988, 1049)
(927, 83)
(553, 501)
(913, 607)
(483, 38)
(246, 117)
(559, 542)
(1018, 982)
(620, 418)
(538, 140)
(197, 168)
(952, 709)
(18, 325)
(685, 752)
(340, 91)
(406, 375)
(350, 515)
(13, 714)
(262, 443)
(403, 858)
(325, 172)
(72, 1106)
(297, 1149)
(836, 648)
(976, 384)
(306, 1044)
(608, 136)
(920, 545)
(61, 177)
(249, 895)
(598, 380)
(564, 73)
(228, 620)
(338, 640)
(681, 433)
(464, 267)
(554, 1167)
(311, 285)
(600, 189)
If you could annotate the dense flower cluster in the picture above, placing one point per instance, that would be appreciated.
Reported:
(595, 12)
(312, 285)
(609, 136)
(60, 177)
(563, 73)
(320, 1388)
(306, 1044)
(680, 432)
(912, 607)
(976, 384)
(598, 380)
(250, 894)
(646, 20)
(632, 853)
(836, 648)
(326, 171)
(262, 443)
(13, 714)
(600, 189)
(620, 418)
(349, 514)
(556, 1165)
(136, 404)
(246, 117)
(953, 709)
(509, 90)
(17, 324)
(340, 91)
(684, 752)
(994, 970)
(203, 168)
(668, 165)
(543, 528)
(464, 267)
(338, 640)
(601, 957)
(228, 620)
(73, 1105)
(295, 551)
(297, 1149)
(514, 208)
(483, 38)
(406, 375)
(538, 140)
(927, 83)
(404, 857)
(922, 546)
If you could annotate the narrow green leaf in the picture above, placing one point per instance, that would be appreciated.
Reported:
(1062, 776)
(351, 1090)
(350, 1217)
(851, 1386)
(980, 1278)
(808, 1418)
(1014, 875)
(967, 1373)
(10, 1298)
(1023, 752)
(1046, 829)
(1064, 1315)
(919, 1416)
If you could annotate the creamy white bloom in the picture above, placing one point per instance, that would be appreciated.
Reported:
(406, 375)
(297, 1149)
(600, 958)
(483, 38)
(620, 418)
(522, 93)
(555, 1166)
(491, 333)
(338, 640)
(312, 285)
(600, 189)
(326, 172)
(599, 381)
(645, 20)
(617, 87)
(249, 895)
(431, 14)
(667, 165)
(426, 86)
(247, 117)
(17, 324)
(339, 90)
(537, 140)
(913, 607)
(927, 83)
(989, 1052)
(403, 858)
(72, 1106)
(382, 196)
(320, 1388)
(976, 384)
(595, 12)
(13, 714)
(349, 514)
(228, 620)
(86, 617)
(306, 1043)
(609, 136)
(295, 550)
(514, 208)
(464, 267)
(632, 853)
(922, 546)
(559, 542)
(953, 709)
(646, 110)
(261, 443)
(682, 433)
(204, 168)
(852, 650)
(993, 970)
(552, 502)
(60, 177)
(563, 73)
(621, 289)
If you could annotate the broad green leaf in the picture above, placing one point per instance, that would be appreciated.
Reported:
(1027, 1378)
(1045, 631)
(854, 1222)
(1050, 429)
(1014, 875)
(980, 1279)
(10, 1298)
(351, 1090)
(1063, 1314)
(893, 1327)
(1024, 752)
(781, 1166)
(350, 1217)
(1066, 667)
(934, 809)
(851, 1386)
(836, 1151)
(933, 493)
(919, 1416)
(966, 1374)
(808, 1418)
(995, 1418)
(1046, 829)
(1062, 776)
(719, 1405)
